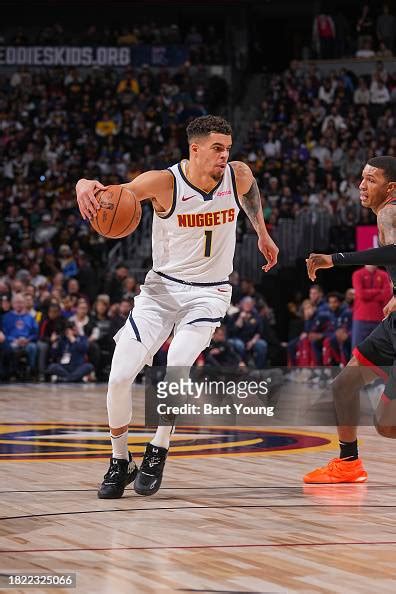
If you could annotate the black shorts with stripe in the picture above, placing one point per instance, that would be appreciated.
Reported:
(378, 351)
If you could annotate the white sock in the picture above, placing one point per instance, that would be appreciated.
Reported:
(161, 438)
(119, 444)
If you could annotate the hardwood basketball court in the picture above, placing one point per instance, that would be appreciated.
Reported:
(232, 515)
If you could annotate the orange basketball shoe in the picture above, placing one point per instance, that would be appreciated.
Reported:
(338, 471)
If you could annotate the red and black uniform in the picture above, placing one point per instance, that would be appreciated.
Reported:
(378, 350)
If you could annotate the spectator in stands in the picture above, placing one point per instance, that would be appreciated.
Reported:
(379, 94)
(101, 335)
(350, 297)
(21, 332)
(68, 306)
(130, 288)
(361, 95)
(69, 353)
(51, 329)
(5, 305)
(337, 345)
(373, 290)
(5, 357)
(82, 319)
(30, 309)
(128, 84)
(316, 297)
(220, 353)
(106, 126)
(327, 91)
(366, 50)
(244, 331)
(365, 24)
(67, 262)
(119, 316)
(36, 278)
(383, 51)
(386, 28)
(86, 327)
(306, 349)
(88, 278)
(323, 36)
(114, 287)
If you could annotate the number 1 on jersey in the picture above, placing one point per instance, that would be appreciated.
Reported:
(208, 243)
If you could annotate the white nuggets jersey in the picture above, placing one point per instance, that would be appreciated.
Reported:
(195, 240)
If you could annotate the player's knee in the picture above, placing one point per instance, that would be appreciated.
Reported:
(129, 358)
(123, 374)
(385, 430)
(385, 418)
(339, 387)
(118, 380)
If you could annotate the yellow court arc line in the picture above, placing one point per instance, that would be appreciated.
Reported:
(198, 447)
(194, 449)
(70, 444)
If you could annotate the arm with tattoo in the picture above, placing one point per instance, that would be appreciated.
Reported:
(386, 220)
(249, 198)
(251, 204)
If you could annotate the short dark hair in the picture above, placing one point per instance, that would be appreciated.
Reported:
(335, 294)
(387, 164)
(204, 125)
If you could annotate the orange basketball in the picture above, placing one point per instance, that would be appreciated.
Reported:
(119, 213)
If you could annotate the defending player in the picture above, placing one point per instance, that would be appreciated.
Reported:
(196, 204)
(377, 353)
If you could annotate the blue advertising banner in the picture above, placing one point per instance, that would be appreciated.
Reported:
(153, 55)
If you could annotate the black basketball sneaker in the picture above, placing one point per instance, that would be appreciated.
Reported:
(149, 476)
(120, 474)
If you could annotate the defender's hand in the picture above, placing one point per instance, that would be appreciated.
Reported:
(269, 250)
(389, 307)
(317, 261)
(87, 203)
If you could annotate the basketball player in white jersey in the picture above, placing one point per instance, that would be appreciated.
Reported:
(196, 204)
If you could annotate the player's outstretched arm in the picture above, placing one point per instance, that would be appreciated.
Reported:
(381, 256)
(249, 197)
(156, 186)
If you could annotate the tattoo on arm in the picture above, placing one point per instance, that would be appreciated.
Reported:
(251, 204)
(387, 225)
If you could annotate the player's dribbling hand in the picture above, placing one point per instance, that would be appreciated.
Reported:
(270, 251)
(317, 261)
(87, 203)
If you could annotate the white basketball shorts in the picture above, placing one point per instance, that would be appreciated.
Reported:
(164, 305)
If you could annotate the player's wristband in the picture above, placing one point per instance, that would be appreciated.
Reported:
(381, 256)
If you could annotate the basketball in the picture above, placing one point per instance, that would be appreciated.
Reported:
(119, 213)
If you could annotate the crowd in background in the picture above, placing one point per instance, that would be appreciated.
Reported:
(306, 148)
(372, 32)
(59, 125)
(310, 140)
(53, 328)
(205, 43)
